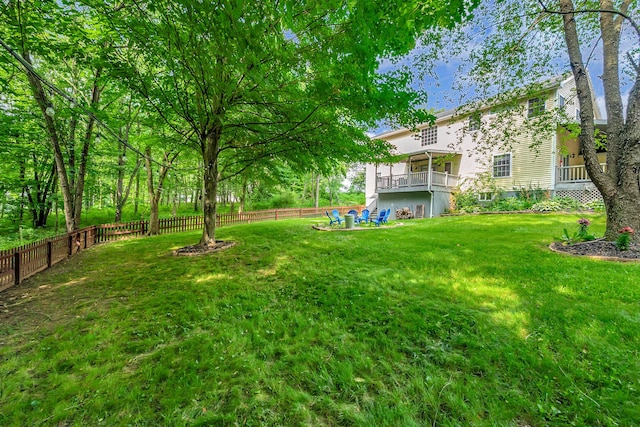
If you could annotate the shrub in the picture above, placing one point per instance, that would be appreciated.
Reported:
(466, 201)
(532, 194)
(546, 206)
(595, 205)
(567, 203)
(624, 238)
(510, 204)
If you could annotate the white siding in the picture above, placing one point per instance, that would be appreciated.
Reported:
(529, 167)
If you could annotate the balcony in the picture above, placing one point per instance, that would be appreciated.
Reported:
(576, 173)
(417, 181)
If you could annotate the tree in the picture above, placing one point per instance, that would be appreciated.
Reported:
(294, 80)
(156, 191)
(518, 44)
(620, 183)
(123, 190)
(358, 180)
(43, 51)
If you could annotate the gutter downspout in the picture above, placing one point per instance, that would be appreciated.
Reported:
(554, 148)
(554, 163)
(429, 186)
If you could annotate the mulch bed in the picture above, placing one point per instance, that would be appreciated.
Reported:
(600, 249)
(195, 250)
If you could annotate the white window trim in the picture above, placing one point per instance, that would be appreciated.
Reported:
(426, 137)
(485, 199)
(493, 163)
(540, 102)
(474, 123)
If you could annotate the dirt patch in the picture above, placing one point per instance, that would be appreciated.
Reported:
(599, 249)
(195, 250)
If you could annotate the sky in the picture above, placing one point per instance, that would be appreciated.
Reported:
(447, 89)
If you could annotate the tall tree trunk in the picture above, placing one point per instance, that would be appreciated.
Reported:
(210, 153)
(317, 195)
(156, 193)
(119, 202)
(43, 102)
(174, 204)
(137, 192)
(196, 199)
(243, 194)
(620, 183)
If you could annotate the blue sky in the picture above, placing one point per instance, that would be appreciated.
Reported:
(446, 89)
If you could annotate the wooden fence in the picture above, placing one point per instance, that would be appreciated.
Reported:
(22, 262)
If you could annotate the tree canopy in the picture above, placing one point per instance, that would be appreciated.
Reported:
(297, 81)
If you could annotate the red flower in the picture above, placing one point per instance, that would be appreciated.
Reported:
(626, 229)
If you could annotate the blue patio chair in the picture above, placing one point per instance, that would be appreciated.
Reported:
(364, 217)
(334, 218)
(355, 215)
(386, 217)
(380, 219)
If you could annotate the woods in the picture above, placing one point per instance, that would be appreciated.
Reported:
(245, 87)
(244, 96)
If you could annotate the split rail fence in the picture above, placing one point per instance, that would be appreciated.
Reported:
(24, 261)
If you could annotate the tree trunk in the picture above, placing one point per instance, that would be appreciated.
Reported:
(243, 195)
(137, 200)
(210, 156)
(174, 208)
(620, 184)
(156, 194)
(317, 195)
(120, 182)
(154, 223)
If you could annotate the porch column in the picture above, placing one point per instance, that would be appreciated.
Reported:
(375, 179)
(429, 173)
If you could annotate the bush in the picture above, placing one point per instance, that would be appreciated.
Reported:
(466, 201)
(546, 206)
(567, 203)
(510, 204)
(595, 205)
(532, 194)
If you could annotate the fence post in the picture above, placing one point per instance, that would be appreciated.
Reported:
(17, 265)
(49, 253)
(70, 243)
(276, 214)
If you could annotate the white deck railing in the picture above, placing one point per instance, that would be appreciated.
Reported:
(576, 173)
(417, 179)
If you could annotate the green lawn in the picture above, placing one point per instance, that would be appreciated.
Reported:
(449, 321)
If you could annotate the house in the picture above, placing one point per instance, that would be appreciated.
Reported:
(468, 145)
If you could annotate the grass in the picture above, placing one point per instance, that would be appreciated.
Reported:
(450, 321)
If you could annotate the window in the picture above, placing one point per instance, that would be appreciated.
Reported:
(536, 107)
(561, 101)
(475, 120)
(485, 197)
(502, 165)
(429, 135)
